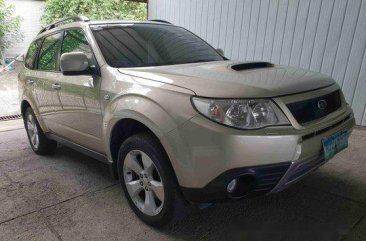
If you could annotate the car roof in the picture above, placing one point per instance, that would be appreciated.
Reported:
(82, 21)
(96, 22)
(86, 22)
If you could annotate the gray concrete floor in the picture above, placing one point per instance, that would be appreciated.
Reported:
(9, 101)
(69, 196)
(9, 92)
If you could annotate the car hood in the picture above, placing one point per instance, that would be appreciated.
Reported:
(218, 79)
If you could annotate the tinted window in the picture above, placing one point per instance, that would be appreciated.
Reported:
(75, 41)
(151, 44)
(48, 56)
(32, 54)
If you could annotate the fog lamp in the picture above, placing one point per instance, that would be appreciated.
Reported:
(232, 185)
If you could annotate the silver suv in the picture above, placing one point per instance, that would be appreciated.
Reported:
(176, 121)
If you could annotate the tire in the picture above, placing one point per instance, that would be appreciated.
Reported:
(37, 139)
(138, 149)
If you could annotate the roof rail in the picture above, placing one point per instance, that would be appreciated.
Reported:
(64, 21)
(160, 21)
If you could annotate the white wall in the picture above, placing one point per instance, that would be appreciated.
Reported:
(328, 36)
(31, 12)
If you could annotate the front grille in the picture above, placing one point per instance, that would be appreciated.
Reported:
(308, 110)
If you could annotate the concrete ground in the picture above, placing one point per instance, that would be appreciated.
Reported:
(9, 92)
(69, 196)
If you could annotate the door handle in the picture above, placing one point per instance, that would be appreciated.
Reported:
(56, 86)
(30, 82)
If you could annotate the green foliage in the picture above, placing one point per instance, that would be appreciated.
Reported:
(9, 26)
(49, 52)
(73, 42)
(93, 9)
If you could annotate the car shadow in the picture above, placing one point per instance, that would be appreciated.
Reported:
(300, 213)
(305, 211)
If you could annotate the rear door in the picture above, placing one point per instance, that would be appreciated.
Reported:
(80, 117)
(48, 77)
(29, 74)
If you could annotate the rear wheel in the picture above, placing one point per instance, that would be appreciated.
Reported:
(149, 182)
(37, 139)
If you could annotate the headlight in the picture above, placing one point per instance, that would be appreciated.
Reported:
(243, 114)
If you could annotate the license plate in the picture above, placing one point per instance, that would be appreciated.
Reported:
(335, 143)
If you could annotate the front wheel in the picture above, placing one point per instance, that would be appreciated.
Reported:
(37, 139)
(148, 181)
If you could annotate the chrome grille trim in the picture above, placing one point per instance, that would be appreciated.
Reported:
(313, 134)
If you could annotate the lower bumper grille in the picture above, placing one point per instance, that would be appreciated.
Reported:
(305, 167)
(267, 178)
(299, 169)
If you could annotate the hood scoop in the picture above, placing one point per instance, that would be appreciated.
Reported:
(251, 65)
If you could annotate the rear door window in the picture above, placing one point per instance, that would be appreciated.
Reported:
(30, 59)
(49, 54)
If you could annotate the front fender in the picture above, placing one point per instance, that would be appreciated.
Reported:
(139, 108)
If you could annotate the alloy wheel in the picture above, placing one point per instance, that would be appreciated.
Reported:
(143, 182)
(32, 131)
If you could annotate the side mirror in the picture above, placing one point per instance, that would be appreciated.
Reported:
(221, 52)
(75, 63)
(19, 58)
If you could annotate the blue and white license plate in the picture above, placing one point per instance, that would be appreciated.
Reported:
(335, 143)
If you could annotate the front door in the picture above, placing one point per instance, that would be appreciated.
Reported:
(81, 116)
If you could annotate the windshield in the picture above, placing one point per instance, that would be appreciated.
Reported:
(138, 45)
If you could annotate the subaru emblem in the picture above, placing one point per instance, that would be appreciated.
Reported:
(322, 104)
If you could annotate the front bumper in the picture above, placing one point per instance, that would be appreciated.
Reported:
(263, 180)
(257, 180)
(206, 156)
